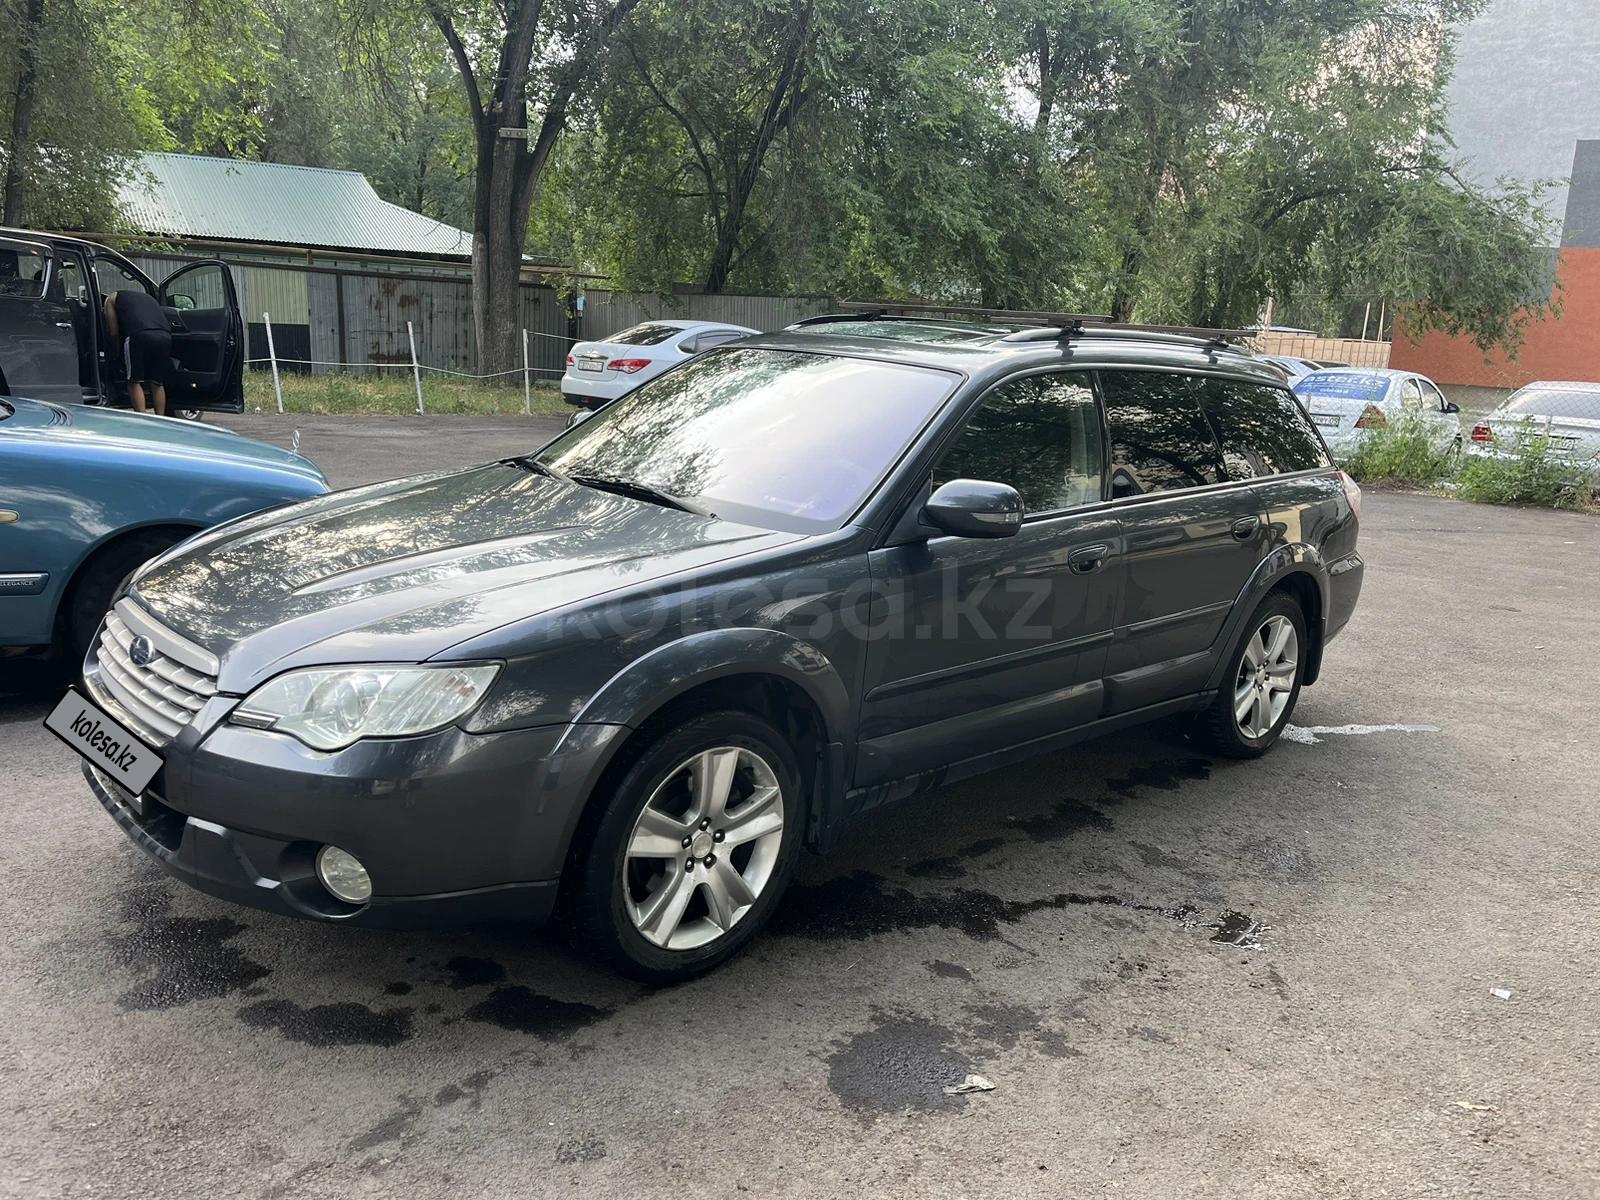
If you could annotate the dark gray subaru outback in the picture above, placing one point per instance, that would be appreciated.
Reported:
(638, 671)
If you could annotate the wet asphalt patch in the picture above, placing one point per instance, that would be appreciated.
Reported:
(345, 1023)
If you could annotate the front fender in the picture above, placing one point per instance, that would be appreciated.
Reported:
(1292, 558)
(657, 678)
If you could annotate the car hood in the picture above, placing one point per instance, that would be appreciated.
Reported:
(400, 572)
(165, 438)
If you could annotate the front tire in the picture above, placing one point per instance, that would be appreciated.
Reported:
(1262, 683)
(693, 850)
(99, 578)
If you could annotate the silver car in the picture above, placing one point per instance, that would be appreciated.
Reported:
(1565, 413)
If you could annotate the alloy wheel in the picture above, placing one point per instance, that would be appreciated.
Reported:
(1266, 676)
(703, 848)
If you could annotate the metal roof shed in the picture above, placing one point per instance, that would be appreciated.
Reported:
(187, 197)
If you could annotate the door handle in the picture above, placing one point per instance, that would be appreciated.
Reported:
(63, 324)
(1244, 528)
(1087, 559)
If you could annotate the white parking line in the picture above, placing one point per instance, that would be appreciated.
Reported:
(1310, 735)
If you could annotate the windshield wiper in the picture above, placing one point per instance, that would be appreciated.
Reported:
(539, 467)
(641, 491)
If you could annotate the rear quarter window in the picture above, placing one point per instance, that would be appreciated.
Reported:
(1160, 439)
(1261, 429)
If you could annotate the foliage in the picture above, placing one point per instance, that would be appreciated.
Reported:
(1403, 451)
(1177, 160)
(1527, 474)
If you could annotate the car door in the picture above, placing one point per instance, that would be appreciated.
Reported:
(207, 337)
(1191, 537)
(984, 643)
(1443, 417)
(38, 339)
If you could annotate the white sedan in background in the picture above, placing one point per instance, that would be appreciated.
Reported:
(598, 372)
(1562, 417)
(1345, 402)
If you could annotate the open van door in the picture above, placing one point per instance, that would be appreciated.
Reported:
(207, 338)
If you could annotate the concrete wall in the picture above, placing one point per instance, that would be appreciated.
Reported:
(1526, 88)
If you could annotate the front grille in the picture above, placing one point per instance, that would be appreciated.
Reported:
(161, 696)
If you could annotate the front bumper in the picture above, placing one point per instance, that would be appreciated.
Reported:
(451, 826)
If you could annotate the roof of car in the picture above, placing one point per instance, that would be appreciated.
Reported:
(1000, 347)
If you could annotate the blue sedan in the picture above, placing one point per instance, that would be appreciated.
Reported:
(87, 495)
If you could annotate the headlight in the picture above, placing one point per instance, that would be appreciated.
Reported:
(328, 708)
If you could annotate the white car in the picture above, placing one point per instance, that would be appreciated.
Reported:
(1345, 402)
(598, 372)
(1295, 368)
(1568, 414)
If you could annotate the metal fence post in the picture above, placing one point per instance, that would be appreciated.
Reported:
(272, 357)
(416, 371)
(527, 390)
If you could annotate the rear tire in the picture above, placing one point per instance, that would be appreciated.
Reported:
(98, 579)
(1262, 683)
(659, 910)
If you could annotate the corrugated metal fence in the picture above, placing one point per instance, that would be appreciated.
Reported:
(345, 318)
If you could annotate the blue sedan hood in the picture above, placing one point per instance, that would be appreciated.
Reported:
(138, 433)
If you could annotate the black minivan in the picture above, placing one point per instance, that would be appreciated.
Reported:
(54, 344)
(630, 675)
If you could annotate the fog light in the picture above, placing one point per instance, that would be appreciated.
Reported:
(342, 874)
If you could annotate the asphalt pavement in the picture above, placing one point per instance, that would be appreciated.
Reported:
(1183, 977)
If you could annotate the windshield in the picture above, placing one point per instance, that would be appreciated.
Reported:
(1564, 403)
(1343, 385)
(777, 438)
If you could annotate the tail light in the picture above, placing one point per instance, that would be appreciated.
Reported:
(1372, 418)
(570, 360)
(1352, 493)
(1482, 433)
(627, 365)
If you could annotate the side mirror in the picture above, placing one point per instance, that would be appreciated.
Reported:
(974, 508)
(1450, 406)
(579, 417)
(180, 301)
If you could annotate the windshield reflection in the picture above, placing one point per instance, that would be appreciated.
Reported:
(781, 438)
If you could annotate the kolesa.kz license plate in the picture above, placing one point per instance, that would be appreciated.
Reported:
(1330, 419)
(591, 362)
(103, 742)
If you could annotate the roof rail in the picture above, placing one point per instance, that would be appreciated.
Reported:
(1200, 334)
(857, 310)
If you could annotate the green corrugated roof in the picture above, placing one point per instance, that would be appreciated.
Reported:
(188, 195)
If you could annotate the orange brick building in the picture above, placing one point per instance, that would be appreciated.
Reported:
(1564, 347)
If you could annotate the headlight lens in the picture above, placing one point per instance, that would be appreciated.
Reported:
(329, 708)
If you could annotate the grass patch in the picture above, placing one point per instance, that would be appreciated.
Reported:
(395, 393)
(1528, 475)
(1401, 452)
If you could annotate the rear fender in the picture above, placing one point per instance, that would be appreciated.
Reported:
(1294, 558)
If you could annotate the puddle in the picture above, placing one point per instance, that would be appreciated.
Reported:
(900, 1064)
(343, 1024)
(1238, 929)
(522, 1010)
(861, 905)
(185, 958)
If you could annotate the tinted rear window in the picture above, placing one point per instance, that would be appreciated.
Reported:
(1160, 441)
(1343, 386)
(1556, 402)
(644, 335)
(1262, 430)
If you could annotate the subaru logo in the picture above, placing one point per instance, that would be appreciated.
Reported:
(141, 651)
